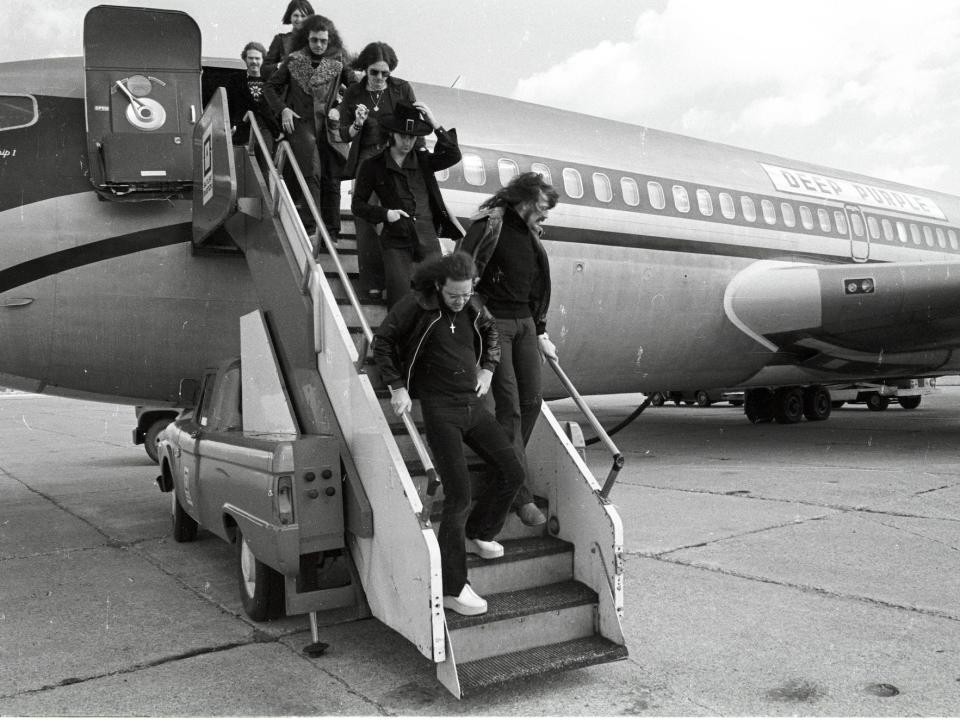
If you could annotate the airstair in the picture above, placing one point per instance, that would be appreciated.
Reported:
(556, 597)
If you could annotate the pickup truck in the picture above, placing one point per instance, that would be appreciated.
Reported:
(276, 496)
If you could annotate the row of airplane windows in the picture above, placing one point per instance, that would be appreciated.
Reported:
(475, 173)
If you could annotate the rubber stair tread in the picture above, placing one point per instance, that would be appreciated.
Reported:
(568, 655)
(529, 601)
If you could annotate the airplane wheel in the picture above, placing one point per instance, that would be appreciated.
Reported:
(788, 405)
(261, 587)
(758, 405)
(657, 399)
(150, 437)
(816, 403)
(184, 527)
(877, 402)
(910, 403)
(703, 400)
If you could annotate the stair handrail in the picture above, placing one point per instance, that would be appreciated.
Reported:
(618, 459)
(275, 167)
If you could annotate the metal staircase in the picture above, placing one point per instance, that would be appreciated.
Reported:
(556, 596)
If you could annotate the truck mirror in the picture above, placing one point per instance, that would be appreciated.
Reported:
(188, 393)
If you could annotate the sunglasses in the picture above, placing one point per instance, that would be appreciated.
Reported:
(378, 73)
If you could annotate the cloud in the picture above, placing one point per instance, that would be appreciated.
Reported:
(787, 77)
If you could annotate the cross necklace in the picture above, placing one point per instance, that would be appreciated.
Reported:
(453, 328)
(376, 100)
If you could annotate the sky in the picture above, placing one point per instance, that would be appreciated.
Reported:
(866, 86)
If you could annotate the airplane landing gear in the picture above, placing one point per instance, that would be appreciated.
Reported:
(758, 405)
(816, 403)
(787, 405)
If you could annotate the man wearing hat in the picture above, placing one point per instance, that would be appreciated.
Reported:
(411, 208)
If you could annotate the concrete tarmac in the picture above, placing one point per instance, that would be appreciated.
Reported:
(771, 570)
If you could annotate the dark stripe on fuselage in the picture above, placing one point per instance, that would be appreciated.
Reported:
(47, 265)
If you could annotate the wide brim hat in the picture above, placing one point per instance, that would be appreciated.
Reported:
(406, 119)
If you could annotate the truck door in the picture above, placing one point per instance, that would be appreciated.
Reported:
(142, 71)
(188, 444)
(857, 230)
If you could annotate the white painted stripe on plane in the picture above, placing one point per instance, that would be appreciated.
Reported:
(730, 294)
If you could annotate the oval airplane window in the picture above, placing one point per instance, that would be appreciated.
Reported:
(856, 222)
(928, 235)
(508, 170)
(17, 111)
(841, 219)
(543, 171)
(572, 183)
(704, 202)
(941, 238)
(806, 217)
(915, 233)
(874, 227)
(631, 193)
(789, 216)
(681, 199)
(952, 234)
(749, 208)
(902, 231)
(602, 188)
(655, 193)
(727, 208)
(824, 217)
(442, 175)
(769, 212)
(473, 170)
(887, 227)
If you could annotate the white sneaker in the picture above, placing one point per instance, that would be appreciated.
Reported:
(487, 549)
(466, 603)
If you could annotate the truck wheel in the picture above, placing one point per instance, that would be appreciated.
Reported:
(816, 403)
(261, 587)
(184, 527)
(150, 437)
(911, 402)
(703, 399)
(877, 402)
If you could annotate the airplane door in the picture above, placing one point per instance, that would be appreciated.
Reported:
(142, 73)
(857, 230)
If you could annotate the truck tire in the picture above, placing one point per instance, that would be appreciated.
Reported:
(911, 402)
(877, 402)
(150, 436)
(184, 527)
(261, 587)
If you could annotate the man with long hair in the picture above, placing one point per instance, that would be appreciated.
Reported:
(439, 344)
(504, 241)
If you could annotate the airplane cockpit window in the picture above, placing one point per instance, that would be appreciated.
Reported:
(824, 217)
(17, 111)
(941, 238)
(841, 220)
(658, 200)
(727, 208)
(789, 216)
(681, 199)
(887, 228)
(952, 235)
(856, 222)
(749, 208)
(543, 171)
(631, 193)
(806, 217)
(928, 235)
(602, 187)
(902, 231)
(915, 233)
(704, 202)
(769, 212)
(874, 227)
(508, 170)
(473, 170)
(572, 183)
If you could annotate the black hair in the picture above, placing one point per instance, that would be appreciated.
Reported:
(303, 6)
(435, 272)
(373, 53)
(525, 188)
(317, 23)
(253, 45)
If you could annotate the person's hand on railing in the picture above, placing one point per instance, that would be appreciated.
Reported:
(547, 348)
(400, 401)
(483, 382)
(286, 119)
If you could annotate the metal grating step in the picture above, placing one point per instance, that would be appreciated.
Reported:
(530, 601)
(569, 655)
(522, 549)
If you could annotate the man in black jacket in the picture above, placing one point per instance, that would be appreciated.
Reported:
(411, 208)
(439, 344)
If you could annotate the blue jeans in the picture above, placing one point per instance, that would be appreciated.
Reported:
(449, 424)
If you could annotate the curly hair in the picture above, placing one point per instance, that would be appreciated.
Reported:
(525, 188)
(373, 53)
(303, 6)
(317, 23)
(435, 272)
(253, 45)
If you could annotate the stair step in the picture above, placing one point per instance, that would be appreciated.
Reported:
(536, 561)
(521, 603)
(494, 671)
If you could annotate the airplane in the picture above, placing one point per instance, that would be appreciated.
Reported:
(676, 262)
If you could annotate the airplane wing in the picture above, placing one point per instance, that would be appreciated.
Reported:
(865, 318)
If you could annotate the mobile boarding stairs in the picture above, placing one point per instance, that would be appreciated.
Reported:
(556, 597)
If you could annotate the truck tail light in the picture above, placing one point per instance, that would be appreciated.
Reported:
(285, 499)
